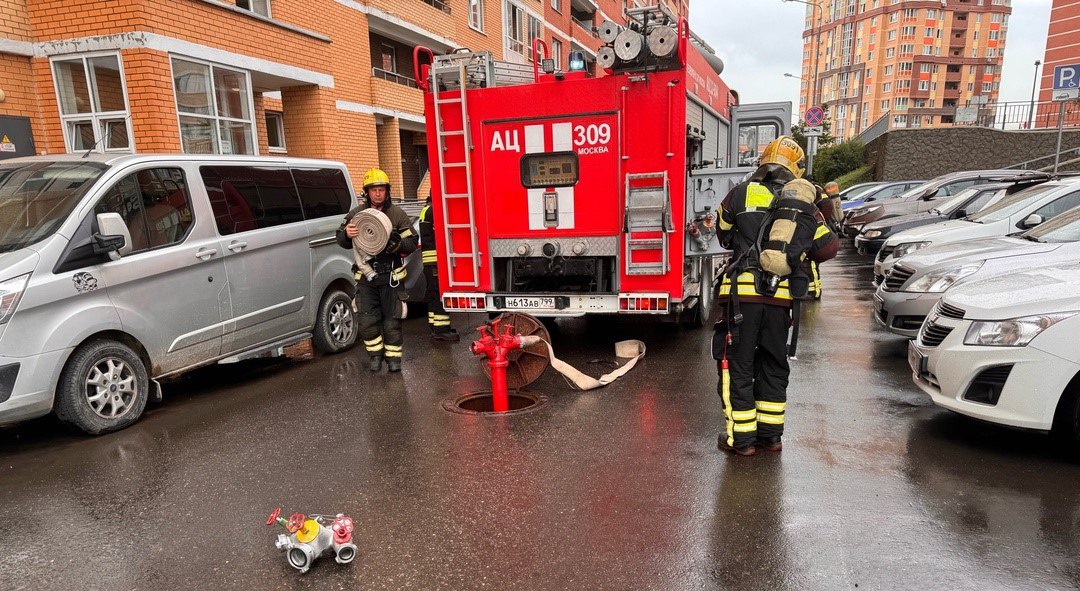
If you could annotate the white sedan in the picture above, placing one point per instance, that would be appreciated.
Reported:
(914, 286)
(1005, 350)
(1017, 212)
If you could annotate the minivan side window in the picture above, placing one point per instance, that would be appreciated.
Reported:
(324, 192)
(248, 198)
(154, 203)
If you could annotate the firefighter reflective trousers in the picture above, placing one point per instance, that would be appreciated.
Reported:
(437, 318)
(754, 391)
(380, 325)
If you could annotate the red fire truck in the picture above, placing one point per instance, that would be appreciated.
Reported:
(560, 194)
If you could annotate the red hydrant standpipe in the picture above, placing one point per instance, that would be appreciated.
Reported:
(496, 346)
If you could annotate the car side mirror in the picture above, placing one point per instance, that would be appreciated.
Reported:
(960, 213)
(112, 236)
(1031, 221)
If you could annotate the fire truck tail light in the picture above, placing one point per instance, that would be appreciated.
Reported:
(645, 302)
(464, 302)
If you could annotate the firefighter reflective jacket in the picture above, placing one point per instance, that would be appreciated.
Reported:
(744, 210)
(427, 234)
(390, 263)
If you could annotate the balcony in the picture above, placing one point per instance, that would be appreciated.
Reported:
(440, 4)
(393, 77)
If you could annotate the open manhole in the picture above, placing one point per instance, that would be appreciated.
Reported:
(479, 403)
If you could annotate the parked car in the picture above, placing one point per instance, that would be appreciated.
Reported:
(1004, 350)
(915, 285)
(878, 192)
(965, 202)
(1016, 213)
(926, 196)
(116, 271)
(852, 193)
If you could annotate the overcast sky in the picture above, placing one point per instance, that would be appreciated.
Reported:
(759, 40)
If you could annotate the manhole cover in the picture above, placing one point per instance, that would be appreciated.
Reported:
(479, 403)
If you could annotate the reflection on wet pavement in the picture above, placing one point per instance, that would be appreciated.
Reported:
(619, 488)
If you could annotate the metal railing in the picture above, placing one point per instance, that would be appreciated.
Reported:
(393, 77)
(440, 4)
(1018, 115)
(584, 25)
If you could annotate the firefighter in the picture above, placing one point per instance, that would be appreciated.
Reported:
(437, 318)
(380, 308)
(751, 339)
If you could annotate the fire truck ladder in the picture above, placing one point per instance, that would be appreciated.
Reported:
(444, 74)
(648, 222)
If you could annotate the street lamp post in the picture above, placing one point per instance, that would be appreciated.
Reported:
(1034, 84)
(814, 32)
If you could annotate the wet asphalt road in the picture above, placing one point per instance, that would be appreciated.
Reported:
(620, 488)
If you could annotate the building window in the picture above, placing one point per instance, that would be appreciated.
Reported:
(888, 70)
(536, 31)
(388, 58)
(556, 5)
(931, 14)
(476, 14)
(924, 85)
(215, 108)
(93, 103)
(556, 52)
(257, 6)
(887, 87)
(514, 29)
(275, 131)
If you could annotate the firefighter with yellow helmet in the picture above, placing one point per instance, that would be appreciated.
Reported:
(750, 341)
(381, 310)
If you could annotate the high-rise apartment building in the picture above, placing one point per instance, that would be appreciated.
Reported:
(313, 78)
(912, 62)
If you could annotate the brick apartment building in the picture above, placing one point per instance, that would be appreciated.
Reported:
(310, 78)
(912, 62)
(1062, 48)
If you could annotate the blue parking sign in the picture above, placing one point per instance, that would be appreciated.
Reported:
(1066, 77)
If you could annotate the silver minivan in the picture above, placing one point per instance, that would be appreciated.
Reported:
(116, 271)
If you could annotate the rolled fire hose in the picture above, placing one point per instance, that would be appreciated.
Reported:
(375, 229)
(630, 350)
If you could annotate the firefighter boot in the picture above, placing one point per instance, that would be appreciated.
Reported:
(393, 364)
(722, 445)
(771, 444)
(449, 335)
(376, 363)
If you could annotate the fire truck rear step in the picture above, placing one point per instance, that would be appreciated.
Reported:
(648, 211)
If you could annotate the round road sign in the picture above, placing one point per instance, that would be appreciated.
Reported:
(814, 116)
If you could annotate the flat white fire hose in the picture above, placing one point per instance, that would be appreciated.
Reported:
(630, 350)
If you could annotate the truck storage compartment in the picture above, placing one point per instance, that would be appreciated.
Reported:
(579, 274)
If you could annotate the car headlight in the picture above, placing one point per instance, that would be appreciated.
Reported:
(908, 248)
(1016, 332)
(939, 281)
(871, 234)
(10, 293)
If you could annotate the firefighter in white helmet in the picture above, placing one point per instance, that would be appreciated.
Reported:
(380, 308)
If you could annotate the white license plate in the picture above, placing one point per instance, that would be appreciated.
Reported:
(916, 360)
(531, 303)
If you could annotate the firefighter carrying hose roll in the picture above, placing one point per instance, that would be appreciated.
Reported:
(380, 308)
(438, 319)
(750, 341)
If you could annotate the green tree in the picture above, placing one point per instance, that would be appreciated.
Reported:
(838, 160)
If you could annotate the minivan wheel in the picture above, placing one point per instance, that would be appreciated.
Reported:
(335, 327)
(103, 388)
